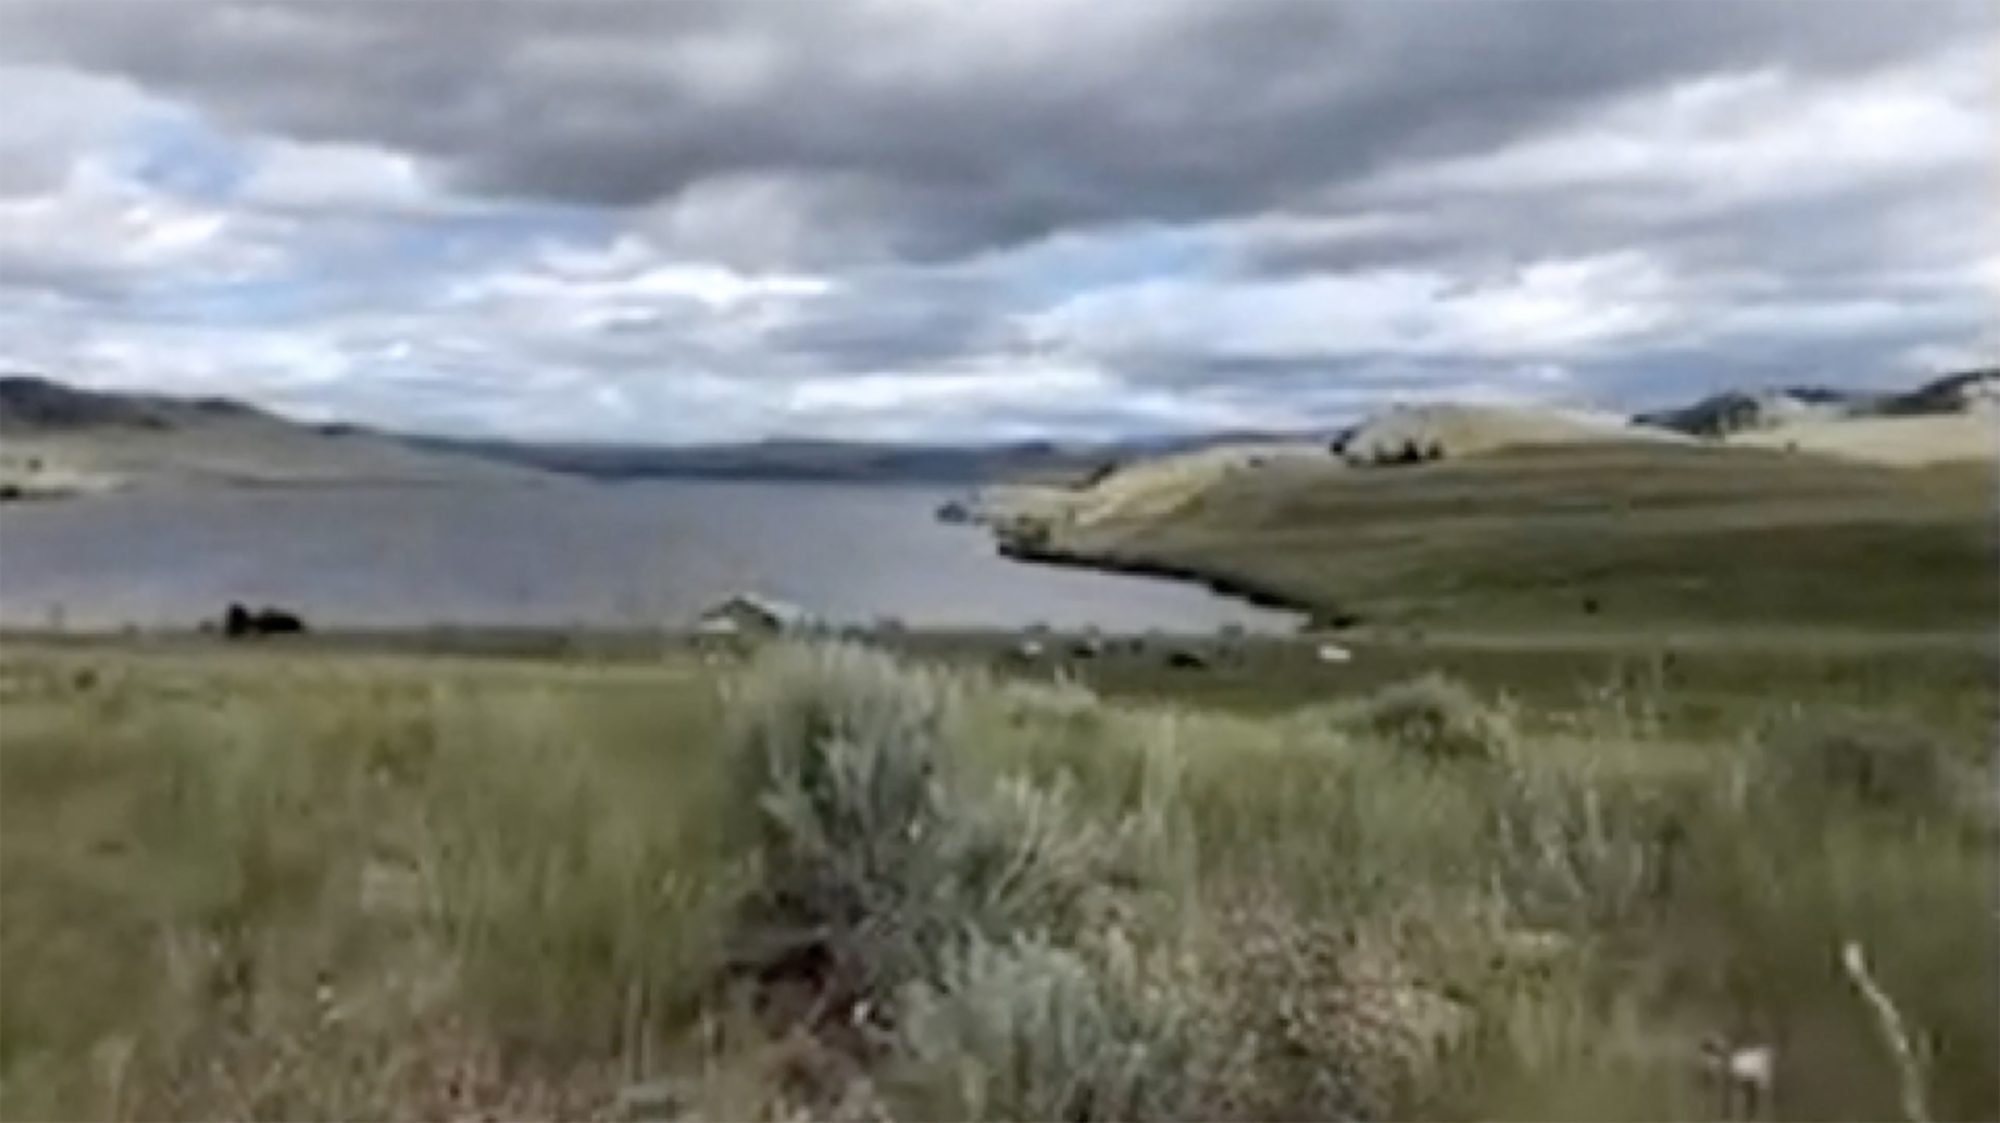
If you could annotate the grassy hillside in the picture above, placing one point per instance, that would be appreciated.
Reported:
(31, 404)
(1141, 487)
(235, 452)
(271, 885)
(1901, 440)
(57, 440)
(1452, 431)
(1739, 411)
(1591, 538)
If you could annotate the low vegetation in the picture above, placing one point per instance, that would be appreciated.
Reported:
(1633, 537)
(1436, 718)
(843, 886)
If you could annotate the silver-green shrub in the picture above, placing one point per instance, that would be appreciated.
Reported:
(1861, 758)
(1025, 1029)
(1435, 718)
(879, 856)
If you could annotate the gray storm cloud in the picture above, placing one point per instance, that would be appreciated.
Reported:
(1649, 196)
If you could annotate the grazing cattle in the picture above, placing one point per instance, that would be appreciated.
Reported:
(1744, 1075)
(241, 623)
(276, 621)
(1338, 620)
(1089, 645)
(1333, 653)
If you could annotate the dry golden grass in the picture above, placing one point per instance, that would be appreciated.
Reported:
(1148, 488)
(1468, 430)
(1894, 441)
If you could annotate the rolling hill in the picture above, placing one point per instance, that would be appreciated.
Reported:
(1577, 537)
(1896, 440)
(57, 439)
(787, 459)
(1034, 461)
(1432, 432)
(1953, 418)
(1866, 516)
(1738, 411)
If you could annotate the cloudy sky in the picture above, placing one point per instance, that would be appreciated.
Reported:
(935, 219)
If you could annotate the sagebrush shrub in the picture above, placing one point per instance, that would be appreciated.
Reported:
(1026, 1029)
(1572, 849)
(1436, 718)
(1860, 757)
(1020, 859)
(837, 746)
(876, 856)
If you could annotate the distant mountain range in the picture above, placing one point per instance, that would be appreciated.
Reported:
(127, 437)
(33, 406)
(1740, 410)
(61, 440)
(808, 459)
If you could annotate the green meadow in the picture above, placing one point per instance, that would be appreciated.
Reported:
(839, 883)
(1619, 539)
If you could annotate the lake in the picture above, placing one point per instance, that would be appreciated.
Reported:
(564, 553)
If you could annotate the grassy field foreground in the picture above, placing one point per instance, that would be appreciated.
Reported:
(837, 885)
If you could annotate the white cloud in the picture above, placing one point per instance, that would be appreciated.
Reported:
(989, 384)
(269, 366)
(54, 119)
(332, 177)
(1554, 308)
(99, 229)
(629, 276)
(1558, 308)
(1741, 137)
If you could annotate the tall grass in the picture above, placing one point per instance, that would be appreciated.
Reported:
(349, 890)
(582, 885)
(842, 886)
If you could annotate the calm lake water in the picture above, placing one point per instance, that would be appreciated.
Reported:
(564, 553)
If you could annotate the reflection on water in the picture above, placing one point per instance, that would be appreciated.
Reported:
(566, 553)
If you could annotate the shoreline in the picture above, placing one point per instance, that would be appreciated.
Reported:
(624, 644)
(1017, 519)
(1249, 592)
